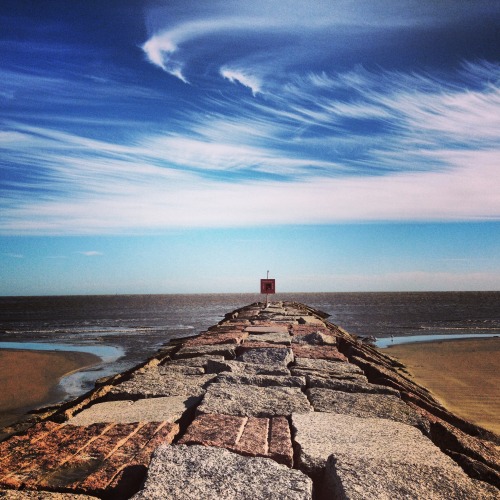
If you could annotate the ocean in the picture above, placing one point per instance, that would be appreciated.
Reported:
(126, 329)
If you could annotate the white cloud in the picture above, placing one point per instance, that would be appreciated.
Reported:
(438, 161)
(90, 253)
(240, 76)
(464, 193)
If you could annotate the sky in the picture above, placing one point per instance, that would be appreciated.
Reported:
(186, 146)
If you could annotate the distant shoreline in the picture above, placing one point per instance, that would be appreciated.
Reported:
(461, 374)
(29, 379)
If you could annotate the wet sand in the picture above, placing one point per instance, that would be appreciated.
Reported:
(463, 375)
(29, 379)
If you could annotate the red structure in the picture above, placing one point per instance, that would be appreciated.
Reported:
(267, 286)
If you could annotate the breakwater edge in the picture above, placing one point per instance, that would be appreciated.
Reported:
(271, 402)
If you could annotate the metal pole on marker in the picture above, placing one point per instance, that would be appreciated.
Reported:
(267, 295)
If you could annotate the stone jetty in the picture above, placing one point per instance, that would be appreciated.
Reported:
(273, 402)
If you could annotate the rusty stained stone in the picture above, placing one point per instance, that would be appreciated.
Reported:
(52, 455)
(88, 459)
(24, 441)
(251, 436)
(280, 441)
(71, 457)
(101, 478)
(127, 467)
(212, 338)
(32, 457)
(318, 352)
(130, 477)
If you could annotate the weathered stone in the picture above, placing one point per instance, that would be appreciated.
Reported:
(377, 373)
(349, 385)
(310, 320)
(318, 352)
(240, 367)
(81, 458)
(331, 367)
(248, 401)
(376, 458)
(302, 372)
(273, 338)
(261, 329)
(213, 338)
(364, 405)
(199, 361)
(315, 338)
(267, 356)
(130, 477)
(186, 472)
(247, 346)
(174, 370)
(348, 477)
(226, 350)
(41, 495)
(298, 330)
(245, 435)
(480, 458)
(327, 369)
(152, 383)
(261, 380)
(169, 409)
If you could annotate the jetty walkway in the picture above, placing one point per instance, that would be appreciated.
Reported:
(271, 403)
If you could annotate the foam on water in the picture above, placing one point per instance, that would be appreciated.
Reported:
(411, 339)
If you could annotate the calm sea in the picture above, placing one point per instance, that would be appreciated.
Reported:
(126, 329)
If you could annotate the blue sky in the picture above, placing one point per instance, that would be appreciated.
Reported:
(190, 146)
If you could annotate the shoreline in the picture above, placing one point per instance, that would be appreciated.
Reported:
(461, 374)
(30, 379)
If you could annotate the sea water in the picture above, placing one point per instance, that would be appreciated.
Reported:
(136, 326)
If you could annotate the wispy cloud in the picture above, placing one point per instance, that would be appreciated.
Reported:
(239, 76)
(429, 152)
(90, 253)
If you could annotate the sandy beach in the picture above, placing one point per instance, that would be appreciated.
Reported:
(462, 374)
(29, 379)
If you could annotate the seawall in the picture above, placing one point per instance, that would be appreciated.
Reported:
(272, 402)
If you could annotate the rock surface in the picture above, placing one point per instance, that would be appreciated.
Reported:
(364, 405)
(251, 401)
(201, 472)
(315, 338)
(349, 385)
(318, 352)
(264, 437)
(168, 409)
(330, 368)
(41, 495)
(226, 350)
(151, 383)
(88, 459)
(256, 330)
(261, 380)
(242, 368)
(199, 361)
(267, 356)
(273, 338)
(376, 458)
(347, 477)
